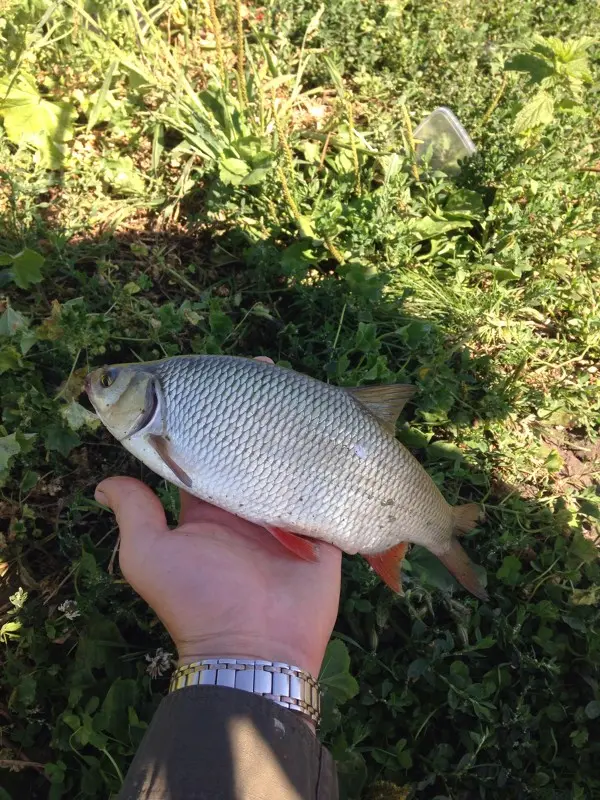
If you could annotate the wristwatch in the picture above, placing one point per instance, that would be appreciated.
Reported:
(288, 686)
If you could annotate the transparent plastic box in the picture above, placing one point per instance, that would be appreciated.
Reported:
(449, 142)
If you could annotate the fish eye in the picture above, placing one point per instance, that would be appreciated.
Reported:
(107, 378)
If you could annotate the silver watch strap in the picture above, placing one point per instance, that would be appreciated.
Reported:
(288, 686)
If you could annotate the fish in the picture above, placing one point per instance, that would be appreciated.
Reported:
(306, 460)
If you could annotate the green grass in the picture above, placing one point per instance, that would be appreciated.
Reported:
(149, 208)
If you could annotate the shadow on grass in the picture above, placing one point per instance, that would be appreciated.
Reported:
(457, 698)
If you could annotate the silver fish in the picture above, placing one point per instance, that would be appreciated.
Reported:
(304, 459)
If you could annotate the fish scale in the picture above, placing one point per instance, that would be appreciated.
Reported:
(288, 452)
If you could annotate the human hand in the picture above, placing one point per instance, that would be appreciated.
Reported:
(223, 586)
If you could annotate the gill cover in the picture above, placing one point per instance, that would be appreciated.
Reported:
(125, 398)
(128, 400)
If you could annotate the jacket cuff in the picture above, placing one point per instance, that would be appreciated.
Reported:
(213, 742)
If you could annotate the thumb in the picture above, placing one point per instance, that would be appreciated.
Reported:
(138, 510)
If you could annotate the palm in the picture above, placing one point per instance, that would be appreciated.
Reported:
(224, 586)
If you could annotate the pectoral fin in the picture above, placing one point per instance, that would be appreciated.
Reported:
(301, 547)
(385, 402)
(161, 446)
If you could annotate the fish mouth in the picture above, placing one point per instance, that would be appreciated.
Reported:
(150, 409)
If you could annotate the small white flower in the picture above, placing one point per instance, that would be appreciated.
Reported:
(18, 598)
(159, 663)
(69, 609)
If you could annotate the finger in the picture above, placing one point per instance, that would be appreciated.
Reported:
(264, 359)
(138, 510)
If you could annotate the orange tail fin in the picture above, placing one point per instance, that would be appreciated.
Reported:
(461, 566)
(388, 565)
(465, 518)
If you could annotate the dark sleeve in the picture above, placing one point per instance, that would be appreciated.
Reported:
(217, 743)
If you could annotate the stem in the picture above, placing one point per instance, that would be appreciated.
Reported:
(242, 95)
(216, 26)
(353, 147)
(114, 763)
(494, 104)
(289, 199)
(339, 327)
(283, 141)
(333, 249)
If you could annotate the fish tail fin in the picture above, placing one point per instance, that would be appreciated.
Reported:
(460, 565)
(466, 517)
(388, 565)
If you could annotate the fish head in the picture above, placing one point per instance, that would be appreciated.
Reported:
(127, 398)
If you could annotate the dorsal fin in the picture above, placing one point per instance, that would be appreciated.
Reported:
(385, 402)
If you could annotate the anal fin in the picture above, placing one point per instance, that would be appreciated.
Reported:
(388, 565)
(161, 445)
(301, 547)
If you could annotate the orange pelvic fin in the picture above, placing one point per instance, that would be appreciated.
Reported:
(388, 565)
(301, 547)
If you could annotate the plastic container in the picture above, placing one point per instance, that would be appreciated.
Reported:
(449, 142)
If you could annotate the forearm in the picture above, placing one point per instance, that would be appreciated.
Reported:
(216, 743)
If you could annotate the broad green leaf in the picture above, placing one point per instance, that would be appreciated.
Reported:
(592, 710)
(539, 111)
(554, 461)
(72, 720)
(77, 416)
(365, 339)
(586, 597)
(299, 254)
(27, 268)
(537, 67)
(305, 227)
(24, 691)
(417, 668)
(30, 119)
(9, 359)
(335, 674)
(440, 451)
(429, 227)
(256, 176)
(233, 170)
(220, 324)
(9, 447)
(466, 203)
(113, 716)
(572, 50)
(123, 176)
(11, 321)
(583, 549)
(510, 570)
(413, 437)
(60, 438)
